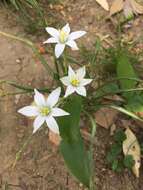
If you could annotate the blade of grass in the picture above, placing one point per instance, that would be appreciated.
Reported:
(25, 88)
(123, 110)
(35, 50)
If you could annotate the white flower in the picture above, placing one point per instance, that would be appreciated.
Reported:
(45, 110)
(75, 81)
(63, 37)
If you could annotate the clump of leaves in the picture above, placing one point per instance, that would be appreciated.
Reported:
(31, 13)
(115, 155)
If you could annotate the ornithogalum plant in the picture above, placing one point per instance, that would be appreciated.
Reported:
(60, 108)
(65, 121)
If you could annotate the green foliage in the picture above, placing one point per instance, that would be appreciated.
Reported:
(54, 1)
(115, 156)
(135, 104)
(72, 146)
(90, 56)
(125, 70)
(31, 14)
(119, 136)
(19, 3)
(109, 88)
(128, 113)
(128, 161)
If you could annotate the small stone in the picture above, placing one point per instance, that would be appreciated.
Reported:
(18, 61)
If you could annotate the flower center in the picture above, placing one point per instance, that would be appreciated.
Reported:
(75, 82)
(63, 36)
(44, 111)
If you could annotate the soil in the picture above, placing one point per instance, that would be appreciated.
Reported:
(41, 166)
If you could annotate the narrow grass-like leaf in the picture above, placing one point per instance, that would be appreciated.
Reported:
(123, 110)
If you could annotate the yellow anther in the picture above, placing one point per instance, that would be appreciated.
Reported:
(75, 82)
(44, 111)
(63, 36)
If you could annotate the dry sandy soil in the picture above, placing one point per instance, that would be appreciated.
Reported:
(41, 167)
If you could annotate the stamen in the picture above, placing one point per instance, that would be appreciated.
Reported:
(63, 36)
(44, 111)
(75, 82)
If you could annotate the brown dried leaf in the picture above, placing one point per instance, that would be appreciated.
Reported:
(116, 6)
(132, 147)
(103, 4)
(137, 8)
(54, 138)
(105, 117)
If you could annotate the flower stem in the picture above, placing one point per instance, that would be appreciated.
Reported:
(18, 154)
(65, 64)
(57, 75)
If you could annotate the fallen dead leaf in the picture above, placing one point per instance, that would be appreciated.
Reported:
(132, 147)
(116, 6)
(129, 7)
(105, 117)
(137, 8)
(54, 138)
(103, 4)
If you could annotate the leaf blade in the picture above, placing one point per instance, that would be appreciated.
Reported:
(72, 145)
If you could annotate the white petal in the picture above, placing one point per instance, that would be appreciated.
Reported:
(57, 112)
(29, 111)
(65, 81)
(81, 72)
(72, 44)
(85, 82)
(76, 35)
(71, 72)
(69, 90)
(53, 32)
(66, 28)
(39, 98)
(59, 50)
(52, 124)
(38, 122)
(81, 91)
(51, 40)
(54, 97)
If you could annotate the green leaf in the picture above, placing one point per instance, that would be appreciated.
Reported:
(135, 104)
(125, 70)
(120, 136)
(120, 167)
(107, 88)
(115, 165)
(72, 146)
(115, 151)
(129, 161)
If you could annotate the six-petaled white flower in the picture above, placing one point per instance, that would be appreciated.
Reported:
(63, 37)
(45, 110)
(75, 81)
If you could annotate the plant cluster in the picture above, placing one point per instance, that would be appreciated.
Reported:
(62, 109)
(115, 156)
